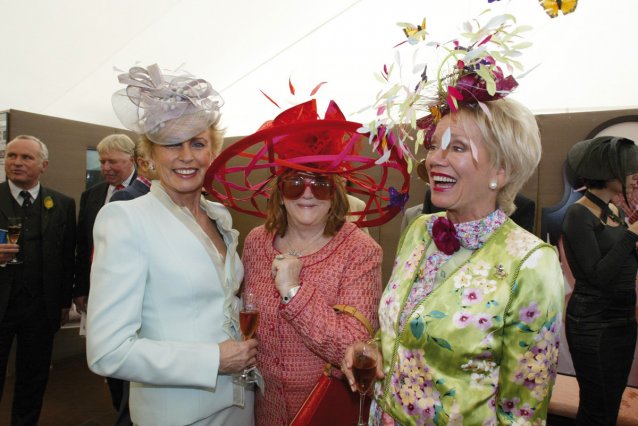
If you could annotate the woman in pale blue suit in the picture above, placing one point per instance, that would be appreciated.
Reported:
(163, 310)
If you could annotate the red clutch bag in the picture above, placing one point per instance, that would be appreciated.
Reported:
(331, 402)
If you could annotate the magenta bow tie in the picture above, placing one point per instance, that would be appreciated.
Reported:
(445, 236)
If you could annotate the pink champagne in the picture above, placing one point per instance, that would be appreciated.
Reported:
(13, 233)
(364, 370)
(248, 321)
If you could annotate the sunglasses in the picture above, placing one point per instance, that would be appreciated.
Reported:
(293, 187)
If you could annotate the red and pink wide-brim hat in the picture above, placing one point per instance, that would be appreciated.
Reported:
(297, 139)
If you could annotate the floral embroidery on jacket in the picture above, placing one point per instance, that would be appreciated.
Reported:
(481, 345)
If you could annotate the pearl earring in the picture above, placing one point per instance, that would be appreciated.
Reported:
(492, 185)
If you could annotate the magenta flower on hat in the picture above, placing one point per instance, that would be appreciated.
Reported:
(463, 72)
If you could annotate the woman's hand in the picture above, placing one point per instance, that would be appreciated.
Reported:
(348, 360)
(285, 270)
(235, 356)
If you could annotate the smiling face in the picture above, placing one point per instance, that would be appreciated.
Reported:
(181, 167)
(460, 175)
(307, 210)
(23, 163)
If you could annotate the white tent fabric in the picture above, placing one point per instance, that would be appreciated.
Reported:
(59, 56)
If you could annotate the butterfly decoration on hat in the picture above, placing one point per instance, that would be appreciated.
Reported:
(553, 7)
(414, 33)
(467, 71)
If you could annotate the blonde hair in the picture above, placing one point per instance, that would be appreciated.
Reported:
(117, 142)
(145, 145)
(142, 149)
(44, 151)
(513, 142)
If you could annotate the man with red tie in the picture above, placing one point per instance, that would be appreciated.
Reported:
(145, 174)
(117, 166)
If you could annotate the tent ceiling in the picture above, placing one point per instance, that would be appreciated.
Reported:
(59, 55)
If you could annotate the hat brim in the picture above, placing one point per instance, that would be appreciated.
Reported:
(240, 176)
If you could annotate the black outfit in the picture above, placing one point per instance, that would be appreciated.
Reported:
(601, 314)
(34, 292)
(91, 201)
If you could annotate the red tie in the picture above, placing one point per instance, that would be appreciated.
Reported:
(120, 186)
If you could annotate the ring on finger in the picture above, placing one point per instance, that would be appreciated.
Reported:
(280, 257)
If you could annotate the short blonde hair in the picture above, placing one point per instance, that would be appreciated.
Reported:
(145, 145)
(117, 142)
(513, 142)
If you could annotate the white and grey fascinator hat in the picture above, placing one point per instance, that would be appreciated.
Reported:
(167, 109)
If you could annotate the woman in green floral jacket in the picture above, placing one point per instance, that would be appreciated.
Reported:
(471, 316)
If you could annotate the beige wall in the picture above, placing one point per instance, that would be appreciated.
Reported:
(67, 141)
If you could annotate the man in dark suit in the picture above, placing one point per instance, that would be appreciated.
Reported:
(145, 174)
(117, 166)
(35, 294)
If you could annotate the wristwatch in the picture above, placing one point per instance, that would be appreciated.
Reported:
(290, 294)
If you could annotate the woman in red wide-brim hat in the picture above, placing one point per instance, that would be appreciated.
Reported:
(307, 257)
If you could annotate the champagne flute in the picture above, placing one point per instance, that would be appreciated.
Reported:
(248, 321)
(364, 370)
(14, 228)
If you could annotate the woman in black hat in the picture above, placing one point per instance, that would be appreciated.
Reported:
(601, 252)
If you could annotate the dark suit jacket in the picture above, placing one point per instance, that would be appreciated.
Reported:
(58, 248)
(136, 189)
(91, 202)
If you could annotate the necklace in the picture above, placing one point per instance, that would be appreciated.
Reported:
(297, 253)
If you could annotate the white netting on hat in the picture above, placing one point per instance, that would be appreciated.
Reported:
(167, 109)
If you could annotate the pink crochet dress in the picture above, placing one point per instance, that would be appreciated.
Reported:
(297, 339)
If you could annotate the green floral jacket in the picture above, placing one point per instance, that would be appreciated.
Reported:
(482, 347)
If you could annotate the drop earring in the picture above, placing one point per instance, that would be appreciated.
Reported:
(492, 185)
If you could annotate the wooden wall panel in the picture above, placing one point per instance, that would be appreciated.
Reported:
(67, 141)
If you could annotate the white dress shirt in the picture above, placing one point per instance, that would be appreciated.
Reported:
(15, 192)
